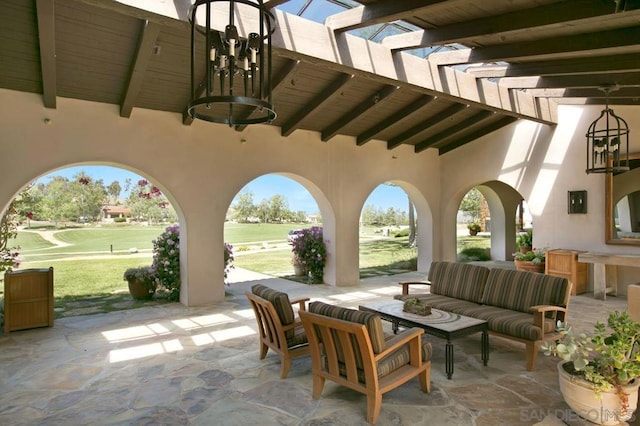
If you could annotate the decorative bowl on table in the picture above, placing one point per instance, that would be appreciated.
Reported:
(417, 307)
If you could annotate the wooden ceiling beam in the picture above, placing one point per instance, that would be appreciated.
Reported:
(373, 101)
(501, 25)
(381, 12)
(619, 40)
(574, 66)
(476, 135)
(571, 81)
(323, 96)
(400, 115)
(146, 44)
(424, 125)
(455, 129)
(283, 75)
(270, 4)
(47, 40)
(594, 93)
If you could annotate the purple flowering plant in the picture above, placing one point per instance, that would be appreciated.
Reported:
(166, 261)
(309, 250)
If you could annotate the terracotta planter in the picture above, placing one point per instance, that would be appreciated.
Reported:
(139, 291)
(607, 410)
(526, 265)
(300, 270)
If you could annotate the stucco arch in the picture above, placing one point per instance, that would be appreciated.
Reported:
(503, 201)
(36, 173)
(326, 211)
(424, 220)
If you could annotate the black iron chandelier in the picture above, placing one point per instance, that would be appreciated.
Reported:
(608, 141)
(231, 75)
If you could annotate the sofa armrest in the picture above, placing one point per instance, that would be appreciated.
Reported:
(539, 312)
(301, 301)
(405, 285)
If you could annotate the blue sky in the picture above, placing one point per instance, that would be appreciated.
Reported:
(264, 187)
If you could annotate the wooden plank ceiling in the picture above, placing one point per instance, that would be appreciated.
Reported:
(548, 50)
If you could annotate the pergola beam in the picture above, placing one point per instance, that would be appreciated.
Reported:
(326, 94)
(369, 103)
(146, 43)
(571, 81)
(477, 134)
(380, 12)
(47, 39)
(450, 132)
(421, 127)
(501, 25)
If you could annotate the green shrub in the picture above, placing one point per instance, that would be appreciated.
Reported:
(402, 233)
(471, 254)
(119, 219)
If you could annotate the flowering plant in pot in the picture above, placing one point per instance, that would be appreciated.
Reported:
(142, 283)
(525, 241)
(600, 369)
(310, 252)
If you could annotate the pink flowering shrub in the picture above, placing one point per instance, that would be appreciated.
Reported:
(309, 250)
(166, 261)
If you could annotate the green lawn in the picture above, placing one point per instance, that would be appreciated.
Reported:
(101, 278)
(238, 233)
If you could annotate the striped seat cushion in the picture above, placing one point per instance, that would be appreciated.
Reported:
(511, 323)
(459, 280)
(394, 360)
(281, 304)
(519, 290)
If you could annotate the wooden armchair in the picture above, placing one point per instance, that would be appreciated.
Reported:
(278, 328)
(349, 348)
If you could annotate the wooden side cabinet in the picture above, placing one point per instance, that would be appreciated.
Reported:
(28, 299)
(564, 263)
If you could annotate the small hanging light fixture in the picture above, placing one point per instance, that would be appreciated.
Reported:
(608, 141)
(231, 76)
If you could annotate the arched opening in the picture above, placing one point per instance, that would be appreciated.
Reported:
(92, 223)
(265, 220)
(395, 231)
(498, 213)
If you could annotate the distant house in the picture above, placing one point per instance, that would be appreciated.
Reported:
(112, 212)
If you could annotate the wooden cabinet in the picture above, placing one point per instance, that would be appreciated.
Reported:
(564, 263)
(28, 299)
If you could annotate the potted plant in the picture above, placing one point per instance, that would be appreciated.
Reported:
(309, 251)
(532, 260)
(600, 373)
(474, 228)
(525, 241)
(142, 283)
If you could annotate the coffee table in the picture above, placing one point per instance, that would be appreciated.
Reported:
(443, 324)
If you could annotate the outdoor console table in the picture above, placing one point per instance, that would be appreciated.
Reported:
(446, 325)
(605, 276)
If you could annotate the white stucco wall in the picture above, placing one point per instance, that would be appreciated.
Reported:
(202, 167)
(542, 163)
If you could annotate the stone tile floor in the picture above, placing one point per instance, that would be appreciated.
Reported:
(172, 365)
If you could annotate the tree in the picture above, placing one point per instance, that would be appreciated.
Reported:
(114, 189)
(57, 203)
(9, 230)
(278, 208)
(472, 203)
(244, 208)
(148, 203)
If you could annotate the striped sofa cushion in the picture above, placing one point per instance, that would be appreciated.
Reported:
(519, 290)
(369, 319)
(511, 323)
(459, 280)
(444, 303)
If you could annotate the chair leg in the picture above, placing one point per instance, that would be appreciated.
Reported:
(425, 379)
(532, 353)
(263, 350)
(285, 367)
(374, 403)
(318, 385)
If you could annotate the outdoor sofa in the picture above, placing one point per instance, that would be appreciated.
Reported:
(518, 305)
